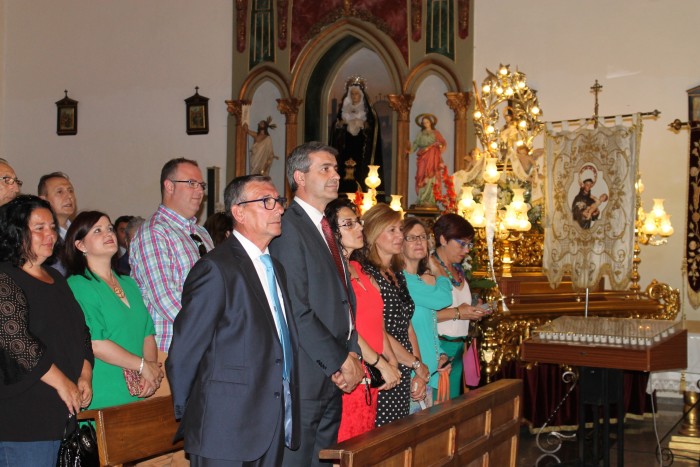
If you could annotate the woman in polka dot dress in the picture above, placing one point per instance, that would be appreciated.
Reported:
(383, 262)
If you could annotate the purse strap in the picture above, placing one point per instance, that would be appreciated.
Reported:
(74, 425)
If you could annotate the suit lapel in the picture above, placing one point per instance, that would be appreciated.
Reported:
(312, 232)
(252, 279)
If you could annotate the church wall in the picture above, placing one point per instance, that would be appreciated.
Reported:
(3, 23)
(641, 51)
(130, 64)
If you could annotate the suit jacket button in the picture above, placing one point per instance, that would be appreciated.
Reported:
(277, 395)
(278, 361)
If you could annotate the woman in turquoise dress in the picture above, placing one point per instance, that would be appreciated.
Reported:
(121, 328)
(429, 293)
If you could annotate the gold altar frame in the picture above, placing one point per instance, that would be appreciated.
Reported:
(405, 79)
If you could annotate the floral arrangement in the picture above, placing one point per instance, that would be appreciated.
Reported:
(359, 196)
(449, 199)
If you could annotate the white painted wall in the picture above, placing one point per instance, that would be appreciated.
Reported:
(130, 64)
(641, 51)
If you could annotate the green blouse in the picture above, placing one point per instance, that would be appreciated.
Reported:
(109, 318)
(428, 298)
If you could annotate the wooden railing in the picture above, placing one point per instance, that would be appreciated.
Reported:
(479, 428)
(130, 432)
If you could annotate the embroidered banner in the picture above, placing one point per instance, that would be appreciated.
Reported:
(692, 245)
(590, 204)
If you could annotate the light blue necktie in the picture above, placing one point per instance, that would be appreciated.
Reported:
(286, 346)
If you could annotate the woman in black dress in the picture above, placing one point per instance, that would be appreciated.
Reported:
(45, 349)
(383, 262)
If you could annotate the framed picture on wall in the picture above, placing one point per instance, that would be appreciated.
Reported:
(67, 116)
(197, 114)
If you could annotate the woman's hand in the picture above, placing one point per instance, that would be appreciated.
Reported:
(423, 372)
(418, 388)
(470, 312)
(85, 388)
(390, 373)
(66, 389)
(85, 384)
(444, 364)
(151, 376)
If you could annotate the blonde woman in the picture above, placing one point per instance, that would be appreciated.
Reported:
(383, 261)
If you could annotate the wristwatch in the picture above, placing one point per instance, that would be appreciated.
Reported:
(416, 364)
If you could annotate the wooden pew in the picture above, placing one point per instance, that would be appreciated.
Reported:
(479, 428)
(130, 432)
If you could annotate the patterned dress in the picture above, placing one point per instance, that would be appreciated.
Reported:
(398, 310)
(358, 415)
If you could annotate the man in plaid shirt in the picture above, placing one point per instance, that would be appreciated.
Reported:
(168, 244)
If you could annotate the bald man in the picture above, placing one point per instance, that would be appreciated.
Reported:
(10, 186)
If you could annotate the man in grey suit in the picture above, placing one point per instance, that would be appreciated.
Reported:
(322, 301)
(232, 362)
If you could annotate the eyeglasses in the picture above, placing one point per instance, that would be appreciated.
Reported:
(11, 181)
(464, 244)
(200, 244)
(352, 224)
(192, 183)
(415, 238)
(269, 203)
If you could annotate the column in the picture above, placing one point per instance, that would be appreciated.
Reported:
(290, 109)
(459, 103)
(235, 109)
(401, 104)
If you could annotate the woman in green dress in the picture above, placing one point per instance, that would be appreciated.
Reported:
(429, 293)
(121, 328)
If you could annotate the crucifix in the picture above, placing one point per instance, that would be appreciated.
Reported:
(596, 89)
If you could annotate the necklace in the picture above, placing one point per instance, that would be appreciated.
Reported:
(116, 288)
(454, 281)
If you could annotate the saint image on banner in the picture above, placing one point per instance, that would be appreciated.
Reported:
(357, 137)
(586, 207)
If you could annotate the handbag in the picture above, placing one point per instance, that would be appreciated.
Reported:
(78, 446)
(133, 381)
(472, 367)
(375, 376)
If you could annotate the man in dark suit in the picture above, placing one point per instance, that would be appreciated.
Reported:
(322, 301)
(232, 362)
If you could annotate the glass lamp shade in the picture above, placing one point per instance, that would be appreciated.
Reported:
(665, 227)
(518, 202)
(373, 180)
(658, 210)
(395, 203)
(367, 200)
(478, 217)
(510, 219)
(491, 173)
(466, 201)
(649, 227)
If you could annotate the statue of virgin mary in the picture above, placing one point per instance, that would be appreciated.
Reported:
(357, 137)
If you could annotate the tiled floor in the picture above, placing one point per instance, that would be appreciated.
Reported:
(640, 442)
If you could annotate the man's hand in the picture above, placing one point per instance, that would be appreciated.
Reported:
(351, 373)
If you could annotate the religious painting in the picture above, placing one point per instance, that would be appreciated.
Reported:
(197, 114)
(589, 195)
(67, 116)
(590, 204)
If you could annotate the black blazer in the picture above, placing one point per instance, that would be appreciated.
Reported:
(320, 302)
(225, 359)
